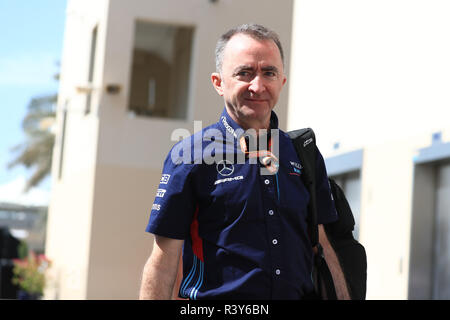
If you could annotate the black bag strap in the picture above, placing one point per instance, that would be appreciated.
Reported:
(304, 141)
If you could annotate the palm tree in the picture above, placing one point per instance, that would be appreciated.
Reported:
(36, 151)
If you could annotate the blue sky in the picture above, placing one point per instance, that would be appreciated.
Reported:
(31, 34)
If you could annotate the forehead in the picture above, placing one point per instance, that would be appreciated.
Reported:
(243, 49)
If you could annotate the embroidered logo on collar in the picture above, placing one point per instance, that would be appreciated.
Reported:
(228, 127)
(225, 168)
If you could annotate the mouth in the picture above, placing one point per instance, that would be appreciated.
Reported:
(256, 100)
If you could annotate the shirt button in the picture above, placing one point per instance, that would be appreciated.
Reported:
(277, 272)
(274, 241)
(271, 212)
(266, 181)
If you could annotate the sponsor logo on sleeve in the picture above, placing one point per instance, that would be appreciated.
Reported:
(156, 207)
(160, 193)
(165, 179)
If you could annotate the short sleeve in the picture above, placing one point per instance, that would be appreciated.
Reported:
(174, 204)
(326, 211)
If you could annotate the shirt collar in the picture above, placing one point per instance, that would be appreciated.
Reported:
(230, 126)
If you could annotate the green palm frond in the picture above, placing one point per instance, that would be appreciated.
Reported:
(36, 151)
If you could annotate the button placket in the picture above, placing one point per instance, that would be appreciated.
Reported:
(274, 226)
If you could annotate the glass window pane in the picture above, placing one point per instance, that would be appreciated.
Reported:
(160, 70)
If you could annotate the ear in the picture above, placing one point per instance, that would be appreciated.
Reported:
(217, 82)
(284, 80)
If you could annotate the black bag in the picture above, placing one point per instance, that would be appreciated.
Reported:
(351, 254)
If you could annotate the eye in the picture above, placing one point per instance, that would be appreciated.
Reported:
(243, 73)
(270, 74)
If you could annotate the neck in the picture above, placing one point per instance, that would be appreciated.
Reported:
(247, 124)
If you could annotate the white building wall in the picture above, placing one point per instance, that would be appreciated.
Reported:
(112, 160)
(374, 75)
(70, 209)
(369, 71)
(370, 75)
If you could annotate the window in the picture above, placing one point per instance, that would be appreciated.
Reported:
(160, 70)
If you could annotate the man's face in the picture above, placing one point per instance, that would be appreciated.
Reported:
(251, 80)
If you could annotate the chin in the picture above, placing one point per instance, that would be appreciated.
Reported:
(255, 113)
(257, 109)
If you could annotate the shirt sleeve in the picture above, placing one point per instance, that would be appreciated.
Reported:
(326, 211)
(174, 204)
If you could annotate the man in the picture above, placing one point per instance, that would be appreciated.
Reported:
(242, 230)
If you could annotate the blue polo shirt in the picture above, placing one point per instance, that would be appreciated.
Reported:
(245, 231)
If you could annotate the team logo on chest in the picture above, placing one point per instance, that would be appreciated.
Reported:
(297, 167)
(225, 168)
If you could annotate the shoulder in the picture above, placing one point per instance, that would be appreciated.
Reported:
(188, 152)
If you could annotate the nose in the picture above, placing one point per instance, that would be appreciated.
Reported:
(257, 85)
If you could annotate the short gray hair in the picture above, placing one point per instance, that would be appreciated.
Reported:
(255, 31)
